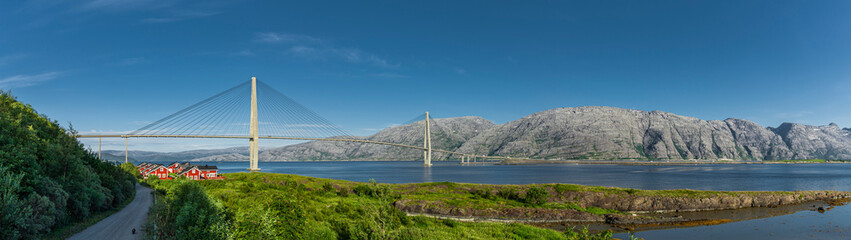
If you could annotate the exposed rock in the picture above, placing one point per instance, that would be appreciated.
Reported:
(226, 154)
(441, 209)
(447, 134)
(816, 142)
(614, 133)
(593, 133)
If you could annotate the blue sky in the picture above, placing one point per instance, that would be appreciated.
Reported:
(115, 65)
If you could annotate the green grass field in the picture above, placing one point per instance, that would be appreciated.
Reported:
(268, 206)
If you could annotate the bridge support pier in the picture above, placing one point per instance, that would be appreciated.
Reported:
(253, 144)
(125, 150)
(427, 143)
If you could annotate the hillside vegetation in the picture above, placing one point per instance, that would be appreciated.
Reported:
(47, 179)
(281, 206)
(271, 205)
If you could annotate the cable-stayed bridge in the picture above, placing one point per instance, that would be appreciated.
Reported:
(254, 110)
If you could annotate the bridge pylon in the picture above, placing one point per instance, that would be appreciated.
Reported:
(254, 136)
(427, 143)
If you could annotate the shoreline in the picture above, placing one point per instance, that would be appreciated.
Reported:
(577, 162)
(656, 163)
(571, 205)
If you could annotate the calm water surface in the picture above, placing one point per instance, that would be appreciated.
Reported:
(833, 224)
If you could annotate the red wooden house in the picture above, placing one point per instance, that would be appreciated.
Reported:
(159, 171)
(192, 172)
(209, 172)
(143, 168)
(174, 167)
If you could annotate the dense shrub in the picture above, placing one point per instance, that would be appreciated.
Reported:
(188, 213)
(584, 234)
(536, 196)
(48, 178)
(373, 189)
(367, 221)
(483, 193)
(276, 217)
(509, 194)
(280, 206)
(328, 187)
(344, 192)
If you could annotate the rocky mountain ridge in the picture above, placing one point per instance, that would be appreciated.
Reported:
(592, 133)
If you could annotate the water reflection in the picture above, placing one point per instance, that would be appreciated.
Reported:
(427, 174)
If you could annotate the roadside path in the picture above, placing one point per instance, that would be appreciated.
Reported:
(119, 225)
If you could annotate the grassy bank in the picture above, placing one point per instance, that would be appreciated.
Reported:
(268, 206)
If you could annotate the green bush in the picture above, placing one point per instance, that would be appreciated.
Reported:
(509, 194)
(328, 187)
(373, 189)
(536, 196)
(188, 213)
(483, 193)
(50, 175)
(367, 221)
(344, 192)
(584, 234)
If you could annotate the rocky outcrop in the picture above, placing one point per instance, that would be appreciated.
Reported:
(447, 134)
(812, 142)
(590, 133)
(608, 133)
(661, 203)
(617, 199)
(441, 209)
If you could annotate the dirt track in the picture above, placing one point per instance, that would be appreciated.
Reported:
(120, 224)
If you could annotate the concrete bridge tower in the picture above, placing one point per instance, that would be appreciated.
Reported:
(253, 144)
(427, 143)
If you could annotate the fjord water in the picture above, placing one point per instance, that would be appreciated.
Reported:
(833, 224)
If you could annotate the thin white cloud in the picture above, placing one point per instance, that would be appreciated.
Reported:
(390, 75)
(103, 132)
(271, 37)
(175, 16)
(131, 61)
(27, 80)
(160, 20)
(124, 5)
(245, 53)
(4, 60)
(352, 55)
(313, 48)
(141, 123)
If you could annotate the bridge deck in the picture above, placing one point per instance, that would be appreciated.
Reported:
(296, 138)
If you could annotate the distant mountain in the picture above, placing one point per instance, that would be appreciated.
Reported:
(592, 133)
(615, 133)
(227, 154)
(447, 134)
(115, 158)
